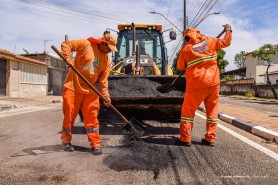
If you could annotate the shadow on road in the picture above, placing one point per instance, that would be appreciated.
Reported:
(117, 129)
(165, 140)
(105, 129)
(161, 130)
(48, 149)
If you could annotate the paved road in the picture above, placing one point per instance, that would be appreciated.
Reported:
(30, 153)
(264, 106)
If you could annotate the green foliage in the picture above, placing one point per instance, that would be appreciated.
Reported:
(229, 77)
(249, 94)
(221, 62)
(266, 53)
(240, 59)
(174, 65)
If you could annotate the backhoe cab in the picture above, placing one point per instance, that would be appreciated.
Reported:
(142, 50)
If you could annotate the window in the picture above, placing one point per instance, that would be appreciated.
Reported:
(149, 42)
(33, 74)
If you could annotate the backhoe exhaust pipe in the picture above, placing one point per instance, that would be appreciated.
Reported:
(134, 38)
(137, 63)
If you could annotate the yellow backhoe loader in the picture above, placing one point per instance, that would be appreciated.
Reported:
(139, 67)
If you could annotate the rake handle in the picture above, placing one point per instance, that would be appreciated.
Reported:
(89, 84)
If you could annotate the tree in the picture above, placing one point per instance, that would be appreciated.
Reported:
(174, 65)
(221, 62)
(240, 59)
(229, 77)
(267, 53)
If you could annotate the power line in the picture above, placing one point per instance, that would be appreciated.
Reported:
(197, 14)
(175, 50)
(199, 10)
(64, 16)
(93, 12)
(168, 12)
(72, 9)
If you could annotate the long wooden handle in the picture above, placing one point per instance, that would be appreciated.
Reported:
(174, 81)
(88, 83)
(219, 35)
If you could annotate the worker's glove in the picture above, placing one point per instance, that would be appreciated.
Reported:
(107, 102)
(227, 27)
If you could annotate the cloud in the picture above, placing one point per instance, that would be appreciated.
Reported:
(27, 25)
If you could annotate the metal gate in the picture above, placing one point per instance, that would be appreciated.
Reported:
(3, 74)
(56, 79)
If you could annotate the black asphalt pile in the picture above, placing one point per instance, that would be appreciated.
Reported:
(140, 156)
(138, 87)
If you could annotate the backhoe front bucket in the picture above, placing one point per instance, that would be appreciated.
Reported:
(136, 96)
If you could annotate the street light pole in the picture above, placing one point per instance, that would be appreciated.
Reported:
(166, 19)
(215, 13)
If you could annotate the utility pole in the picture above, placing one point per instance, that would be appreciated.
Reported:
(185, 18)
(66, 37)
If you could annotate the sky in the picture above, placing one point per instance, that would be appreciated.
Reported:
(35, 25)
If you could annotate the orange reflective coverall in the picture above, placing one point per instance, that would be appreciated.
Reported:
(199, 58)
(95, 67)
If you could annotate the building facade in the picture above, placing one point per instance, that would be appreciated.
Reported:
(22, 76)
(273, 77)
(57, 71)
(256, 69)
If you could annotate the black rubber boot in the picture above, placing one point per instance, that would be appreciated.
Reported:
(68, 147)
(181, 143)
(205, 142)
(96, 151)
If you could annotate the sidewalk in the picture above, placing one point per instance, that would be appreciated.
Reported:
(260, 123)
(11, 103)
(266, 120)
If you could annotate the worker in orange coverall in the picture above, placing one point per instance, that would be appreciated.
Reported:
(93, 62)
(199, 58)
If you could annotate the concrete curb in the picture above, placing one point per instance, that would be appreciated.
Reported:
(255, 99)
(249, 127)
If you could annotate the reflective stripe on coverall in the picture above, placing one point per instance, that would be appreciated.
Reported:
(95, 67)
(89, 103)
(199, 58)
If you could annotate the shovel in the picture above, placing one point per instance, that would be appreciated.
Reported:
(135, 126)
(170, 86)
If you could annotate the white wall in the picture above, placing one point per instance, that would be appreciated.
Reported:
(37, 84)
(256, 69)
(272, 77)
(14, 79)
(251, 64)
